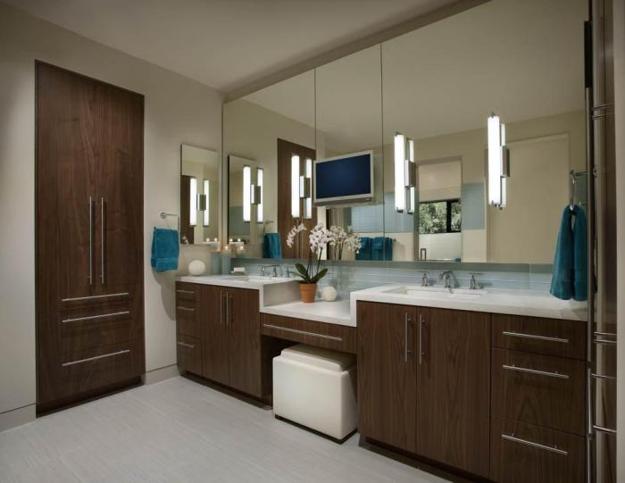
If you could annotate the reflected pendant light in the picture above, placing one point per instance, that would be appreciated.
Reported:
(399, 162)
(259, 195)
(498, 162)
(193, 201)
(207, 198)
(247, 193)
(306, 190)
(295, 188)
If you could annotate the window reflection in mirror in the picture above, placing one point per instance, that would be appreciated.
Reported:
(199, 195)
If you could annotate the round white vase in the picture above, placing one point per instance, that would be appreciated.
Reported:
(197, 267)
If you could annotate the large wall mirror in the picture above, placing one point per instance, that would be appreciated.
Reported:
(199, 195)
(419, 105)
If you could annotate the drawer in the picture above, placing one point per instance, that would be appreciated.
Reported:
(186, 292)
(522, 453)
(541, 390)
(189, 350)
(551, 337)
(187, 319)
(318, 334)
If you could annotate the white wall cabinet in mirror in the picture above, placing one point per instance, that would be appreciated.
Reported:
(441, 83)
(200, 181)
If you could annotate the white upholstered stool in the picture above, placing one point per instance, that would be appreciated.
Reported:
(317, 389)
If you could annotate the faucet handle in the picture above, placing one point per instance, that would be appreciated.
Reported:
(425, 281)
(474, 283)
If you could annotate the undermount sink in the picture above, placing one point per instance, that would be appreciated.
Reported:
(437, 292)
(256, 278)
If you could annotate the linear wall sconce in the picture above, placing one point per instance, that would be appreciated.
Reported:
(301, 188)
(498, 162)
(252, 194)
(405, 174)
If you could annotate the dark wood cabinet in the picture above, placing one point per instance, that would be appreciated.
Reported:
(225, 325)
(387, 374)
(89, 236)
(453, 388)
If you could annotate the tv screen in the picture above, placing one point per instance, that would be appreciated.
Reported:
(344, 179)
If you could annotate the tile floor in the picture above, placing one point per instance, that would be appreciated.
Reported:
(181, 431)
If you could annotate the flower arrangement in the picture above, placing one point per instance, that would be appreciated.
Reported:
(342, 239)
(318, 239)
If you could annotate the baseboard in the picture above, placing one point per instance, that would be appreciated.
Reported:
(17, 417)
(160, 374)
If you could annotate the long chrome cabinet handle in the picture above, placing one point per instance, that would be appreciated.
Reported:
(221, 309)
(406, 317)
(603, 429)
(93, 297)
(95, 358)
(188, 346)
(102, 241)
(90, 240)
(420, 339)
(229, 305)
(95, 317)
(537, 337)
(303, 332)
(186, 309)
(552, 449)
(535, 372)
(187, 292)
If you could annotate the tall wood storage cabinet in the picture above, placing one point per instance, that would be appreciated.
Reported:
(89, 237)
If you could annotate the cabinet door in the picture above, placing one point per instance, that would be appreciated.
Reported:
(119, 203)
(243, 320)
(453, 388)
(215, 337)
(387, 378)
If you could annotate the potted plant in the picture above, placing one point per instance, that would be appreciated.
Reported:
(313, 271)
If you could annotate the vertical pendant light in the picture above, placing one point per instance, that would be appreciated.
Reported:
(259, 195)
(399, 161)
(193, 201)
(410, 180)
(207, 198)
(498, 162)
(247, 193)
(306, 193)
(295, 200)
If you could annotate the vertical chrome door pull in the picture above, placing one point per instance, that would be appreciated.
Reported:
(102, 241)
(221, 309)
(420, 339)
(229, 302)
(406, 319)
(90, 240)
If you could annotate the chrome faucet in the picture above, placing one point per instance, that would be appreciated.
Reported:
(473, 283)
(449, 278)
(274, 272)
(425, 281)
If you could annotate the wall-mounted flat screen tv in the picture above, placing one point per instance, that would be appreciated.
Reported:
(344, 179)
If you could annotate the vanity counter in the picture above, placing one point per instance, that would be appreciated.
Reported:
(495, 301)
(337, 312)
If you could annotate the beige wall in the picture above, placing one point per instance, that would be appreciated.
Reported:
(177, 110)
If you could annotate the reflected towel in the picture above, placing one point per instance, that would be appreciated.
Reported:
(365, 249)
(165, 250)
(563, 264)
(382, 248)
(271, 246)
(580, 255)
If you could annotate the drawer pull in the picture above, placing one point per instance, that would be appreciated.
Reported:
(604, 341)
(95, 297)
(186, 292)
(94, 317)
(535, 337)
(303, 332)
(603, 429)
(535, 372)
(188, 346)
(552, 449)
(187, 309)
(95, 358)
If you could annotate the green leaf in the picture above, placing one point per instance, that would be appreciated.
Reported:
(319, 276)
(301, 269)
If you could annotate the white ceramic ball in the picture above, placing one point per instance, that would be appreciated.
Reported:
(328, 294)
(197, 267)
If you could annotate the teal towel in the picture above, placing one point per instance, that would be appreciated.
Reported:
(365, 249)
(165, 250)
(562, 278)
(580, 255)
(382, 248)
(271, 246)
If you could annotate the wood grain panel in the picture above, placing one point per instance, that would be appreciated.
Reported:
(552, 337)
(215, 337)
(285, 221)
(535, 398)
(189, 351)
(536, 455)
(453, 388)
(89, 234)
(387, 374)
(317, 334)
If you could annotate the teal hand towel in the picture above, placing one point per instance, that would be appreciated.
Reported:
(580, 254)
(365, 249)
(563, 262)
(271, 246)
(165, 250)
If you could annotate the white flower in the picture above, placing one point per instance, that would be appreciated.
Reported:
(293, 233)
(320, 236)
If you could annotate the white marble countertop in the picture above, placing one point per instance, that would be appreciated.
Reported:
(336, 312)
(496, 301)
